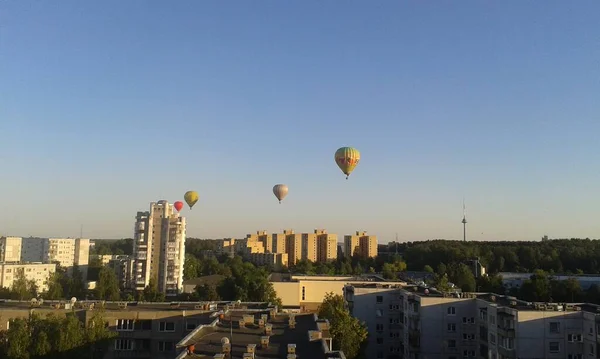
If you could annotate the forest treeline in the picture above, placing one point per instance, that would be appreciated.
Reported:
(552, 255)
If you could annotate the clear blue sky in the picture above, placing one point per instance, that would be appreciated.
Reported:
(108, 105)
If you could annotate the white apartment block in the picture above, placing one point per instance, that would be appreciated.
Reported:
(159, 248)
(411, 322)
(10, 249)
(37, 272)
(67, 252)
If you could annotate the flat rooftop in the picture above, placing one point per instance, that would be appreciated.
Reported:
(286, 277)
(209, 343)
(134, 306)
(515, 303)
(408, 288)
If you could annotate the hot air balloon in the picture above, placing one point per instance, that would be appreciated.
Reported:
(178, 205)
(347, 159)
(280, 191)
(191, 197)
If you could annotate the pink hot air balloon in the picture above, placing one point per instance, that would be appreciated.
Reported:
(178, 205)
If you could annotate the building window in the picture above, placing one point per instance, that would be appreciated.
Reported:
(166, 327)
(492, 339)
(451, 327)
(451, 343)
(380, 354)
(451, 311)
(379, 299)
(123, 344)
(303, 293)
(592, 348)
(555, 327)
(379, 327)
(574, 338)
(190, 325)
(492, 320)
(554, 347)
(125, 325)
(379, 341)
(165, 346)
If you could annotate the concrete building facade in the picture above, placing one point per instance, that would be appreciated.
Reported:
(309, 247)
(37, 272)
(274, 260)
(67, 252)
(159, 248)
(10, 249)
(306, 292)
(360, 243)
(413, 322)
(326, 246)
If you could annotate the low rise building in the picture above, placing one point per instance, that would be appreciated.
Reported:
(306, 292)
(37, 272)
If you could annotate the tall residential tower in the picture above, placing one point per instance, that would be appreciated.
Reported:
(159, 248)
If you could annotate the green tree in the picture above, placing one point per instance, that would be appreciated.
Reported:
(427, 268)
(491, 284)
(107, 286)
(537, 288)
(55, 289)
(152, 294)
(463, 277)
(349, 335)
(207, 292)
(54, 337)
(21, 287)
(191, 267)
(18, 339)
(441, 283)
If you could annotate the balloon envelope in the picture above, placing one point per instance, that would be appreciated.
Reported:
(280, 191)
(178, 205)
(191, 197)
(347, 159)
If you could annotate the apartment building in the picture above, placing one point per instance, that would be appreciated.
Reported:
(293, 246)
(249, 245)
(262, 237)
(278, 243)
(360, 244)
(159, 248)
(37, 272)
(309, 246)
(226, 246)
(326, 246)
(274, 260)
(10, 249)
(415, 322)
(67, 252)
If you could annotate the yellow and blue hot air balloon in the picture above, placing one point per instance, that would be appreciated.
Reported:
(347, 159)
(191, 197)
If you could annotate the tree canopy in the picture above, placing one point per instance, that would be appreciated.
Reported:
(349, 335)
(55, 337)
